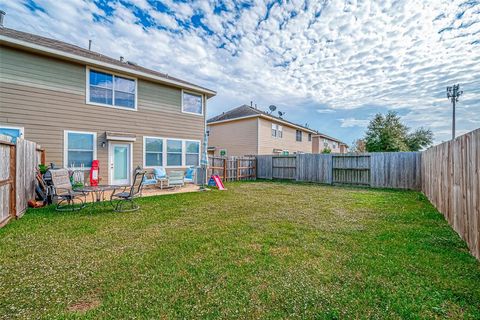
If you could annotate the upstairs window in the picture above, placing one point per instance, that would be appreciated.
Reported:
(277, 131)
(111, 90)
(192, 103)
(298, 135)
(309, 137)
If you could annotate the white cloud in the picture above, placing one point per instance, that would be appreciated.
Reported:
(339, 54)
(352, 122)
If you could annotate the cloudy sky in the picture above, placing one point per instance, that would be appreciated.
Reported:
(331, 64)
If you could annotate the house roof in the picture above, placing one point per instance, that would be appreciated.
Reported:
(60, 49)
(245, 111)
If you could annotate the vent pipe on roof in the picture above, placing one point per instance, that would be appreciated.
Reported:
(121, 58)
(255, 106)
(2, 16)
(251, 103)
(89, 45)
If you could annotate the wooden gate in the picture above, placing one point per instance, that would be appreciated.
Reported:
(352, 170)
(284, 167)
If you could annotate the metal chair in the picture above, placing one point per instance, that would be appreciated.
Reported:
(124, 201)
(67, 198)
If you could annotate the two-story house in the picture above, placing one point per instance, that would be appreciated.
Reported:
(81, 105)
(245, 130)
(322, 142)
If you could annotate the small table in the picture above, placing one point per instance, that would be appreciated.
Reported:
(97, 192)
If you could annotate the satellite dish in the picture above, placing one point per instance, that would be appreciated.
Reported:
(272, 108)
(281, 114)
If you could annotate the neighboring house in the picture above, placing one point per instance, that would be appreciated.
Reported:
(322, 141)
(81, 105)
(246, 130)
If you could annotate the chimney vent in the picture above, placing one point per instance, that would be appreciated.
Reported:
(121, 58)
(2, 16)
(251, 103)
(89, 45)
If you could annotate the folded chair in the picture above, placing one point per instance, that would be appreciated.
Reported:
(67, 198)
(124, 200)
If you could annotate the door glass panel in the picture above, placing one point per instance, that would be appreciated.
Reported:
(120, 154)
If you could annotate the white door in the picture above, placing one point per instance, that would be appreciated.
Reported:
(120, 157)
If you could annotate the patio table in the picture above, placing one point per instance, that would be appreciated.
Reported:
(97, 192)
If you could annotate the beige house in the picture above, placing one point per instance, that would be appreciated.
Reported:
(81, 105)
(246, 130)
(322, 141)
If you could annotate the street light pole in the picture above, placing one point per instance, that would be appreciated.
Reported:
(453, 93)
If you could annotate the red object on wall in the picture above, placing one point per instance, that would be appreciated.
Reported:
(94, 173)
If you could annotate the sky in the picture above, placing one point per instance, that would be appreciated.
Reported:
(329, 64)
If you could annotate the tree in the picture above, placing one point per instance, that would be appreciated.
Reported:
(358, 146)
(326, 150)
(388, 133)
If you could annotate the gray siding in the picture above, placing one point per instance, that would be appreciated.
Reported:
(47, 96)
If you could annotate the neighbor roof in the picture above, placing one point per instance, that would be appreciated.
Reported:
(72, 52)
(245, 111)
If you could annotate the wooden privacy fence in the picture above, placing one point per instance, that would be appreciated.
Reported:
(381, 170)
(233, 168)
(18, 162)
(451, 181)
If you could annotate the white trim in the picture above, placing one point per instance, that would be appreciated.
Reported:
(114, 74)
(21, 129)
(165, 153)
(110, 170)
(193, 94)
(65, 147)
(94, 62)
(233, 119)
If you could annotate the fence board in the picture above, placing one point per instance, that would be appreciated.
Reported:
(4, 189)
(351, 169)
(284, 167)
(451, 181)
(27, 161)
(233, 168)
(264, 166)
(314, 168)
(401, 170)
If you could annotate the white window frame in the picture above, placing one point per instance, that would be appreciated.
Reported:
(279, 131)
(274, 130)
(165, 153)
(145, 151)
(65, 148)
(199, 153)
(301, 135)
(21, 129)
(196, 94)
(114, 74)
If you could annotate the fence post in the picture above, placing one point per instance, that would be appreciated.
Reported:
(238, 169)
(224, 169)
(13, 181)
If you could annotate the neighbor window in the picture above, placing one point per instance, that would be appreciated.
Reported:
(334, 145)
(192, 155)
(298, 135)
(112, 90)
(192, 103)
(174, 152)
(309, 137)
(277, 131)
(153, 152)
(80, 149)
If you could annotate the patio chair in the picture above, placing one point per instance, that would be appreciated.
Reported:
(124, 201)
(190, 175)
(159, 175)
(176, 179)
(67, 199)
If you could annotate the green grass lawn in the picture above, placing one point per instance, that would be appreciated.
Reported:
(258, 250)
